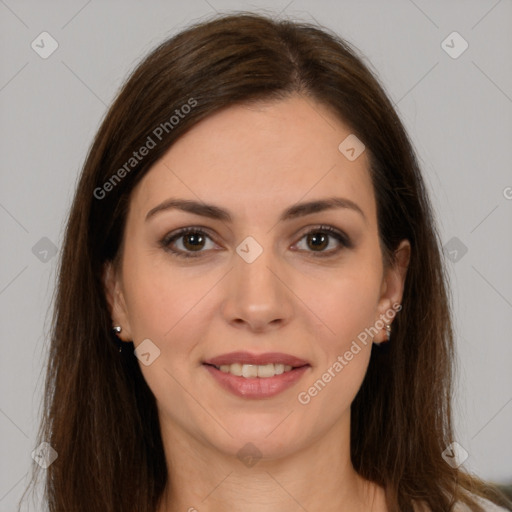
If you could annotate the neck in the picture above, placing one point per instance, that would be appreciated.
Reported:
(203, 479)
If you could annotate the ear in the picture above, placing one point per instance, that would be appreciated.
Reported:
(115, 299)
(393, 285)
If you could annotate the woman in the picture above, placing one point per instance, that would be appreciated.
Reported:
(252, 303)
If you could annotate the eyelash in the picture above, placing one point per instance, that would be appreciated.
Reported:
(166, 242)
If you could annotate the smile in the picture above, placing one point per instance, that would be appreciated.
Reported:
(256, 381)
(253, 370)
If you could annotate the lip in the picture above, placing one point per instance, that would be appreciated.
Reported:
(256, 359)
(256, 387)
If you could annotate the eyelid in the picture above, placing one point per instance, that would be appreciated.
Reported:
(177, 234)
(340, 236)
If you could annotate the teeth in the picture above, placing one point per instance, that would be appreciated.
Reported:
(252, 370)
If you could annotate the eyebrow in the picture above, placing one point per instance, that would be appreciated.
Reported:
(293, 212)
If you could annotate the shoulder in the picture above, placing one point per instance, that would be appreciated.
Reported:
(487, 505)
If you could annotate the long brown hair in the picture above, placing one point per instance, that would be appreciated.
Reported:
(99, 414)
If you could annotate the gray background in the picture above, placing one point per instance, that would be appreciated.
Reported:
(457, 111)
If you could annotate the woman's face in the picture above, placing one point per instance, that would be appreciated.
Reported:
(262, 276)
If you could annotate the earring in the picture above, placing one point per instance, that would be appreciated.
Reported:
(116, 330)
(388, 333)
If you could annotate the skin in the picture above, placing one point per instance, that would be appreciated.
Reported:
(255, 161)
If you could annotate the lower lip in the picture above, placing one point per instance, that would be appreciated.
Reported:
(255, 387)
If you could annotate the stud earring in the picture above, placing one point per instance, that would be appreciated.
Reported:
(388, 333)
(116, 330)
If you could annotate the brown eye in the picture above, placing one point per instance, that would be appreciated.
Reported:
(193, 241)
(186, 242)
(318, 239)
(189, 242)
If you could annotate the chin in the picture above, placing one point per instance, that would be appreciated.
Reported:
(263, 440)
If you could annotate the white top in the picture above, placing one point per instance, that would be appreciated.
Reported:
(487, 505)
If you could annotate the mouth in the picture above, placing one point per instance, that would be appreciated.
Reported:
(256, 376)
(251, 371)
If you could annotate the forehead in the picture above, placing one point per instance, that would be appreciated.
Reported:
(256, 159)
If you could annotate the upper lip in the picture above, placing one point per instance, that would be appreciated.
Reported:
(256, 359)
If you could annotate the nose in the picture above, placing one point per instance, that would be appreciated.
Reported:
(259, 294)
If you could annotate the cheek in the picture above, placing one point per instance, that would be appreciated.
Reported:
(343, 353)
(161, 300)
(346, 303)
